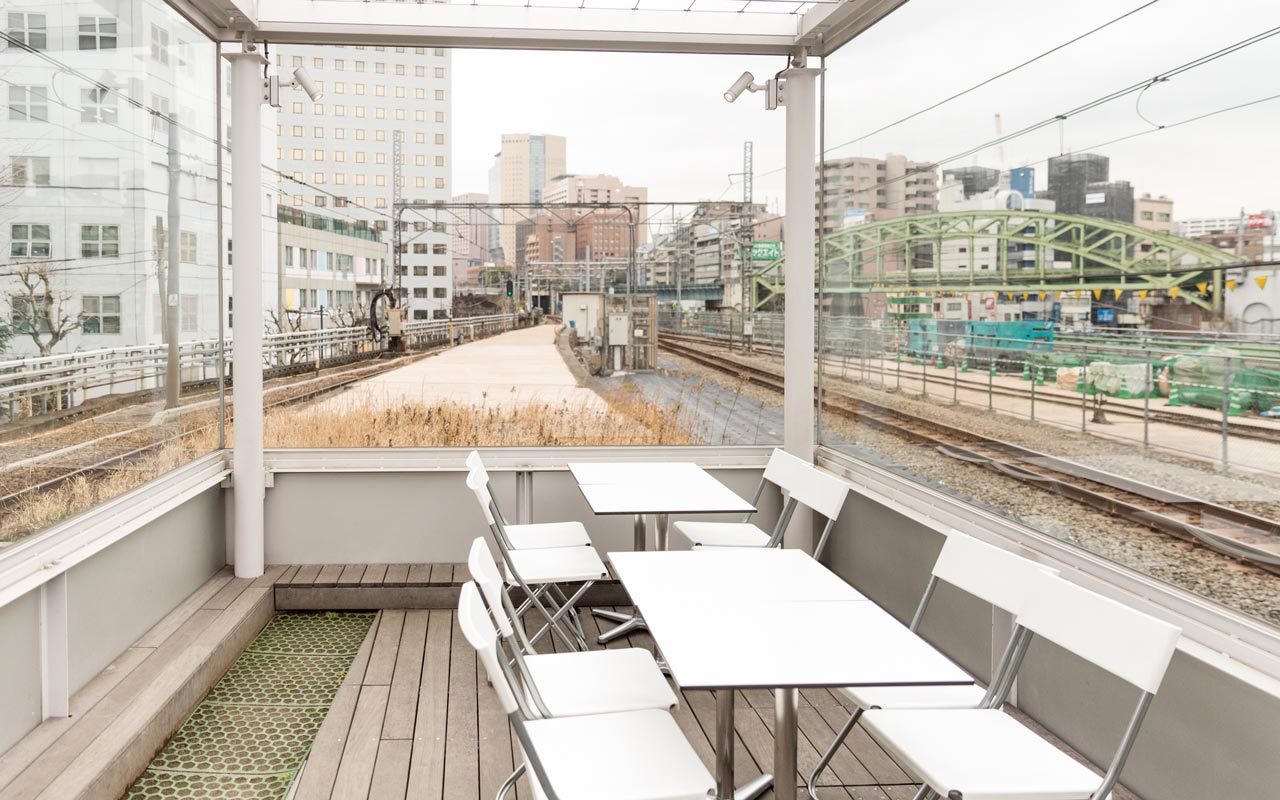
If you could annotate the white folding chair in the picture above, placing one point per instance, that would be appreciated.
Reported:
(576, 758)
(533, 535)
(569, 684)
(982, 753)
(538, 573)
(997, 576)
(802, 483)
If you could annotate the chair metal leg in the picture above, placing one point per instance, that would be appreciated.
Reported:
(510, 782)
(629, 625)
(831, 751)
(611, 615)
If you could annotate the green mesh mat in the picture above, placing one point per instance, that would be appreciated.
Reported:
(249, 737)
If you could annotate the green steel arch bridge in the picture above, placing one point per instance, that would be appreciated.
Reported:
(1029, 251)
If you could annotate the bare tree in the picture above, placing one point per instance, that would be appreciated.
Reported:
(39, 310)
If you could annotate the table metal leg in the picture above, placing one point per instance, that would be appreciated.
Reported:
(784, 742)
(725, 789)
(631, 622)
(661, 536)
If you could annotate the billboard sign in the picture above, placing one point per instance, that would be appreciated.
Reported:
(766, 251)
(1265, 220)
(1095, 198)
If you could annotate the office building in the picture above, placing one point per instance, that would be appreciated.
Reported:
(339, 150)
(469, 229)
(523, 165)
(328, 267)
(861, 190)
(1080, 184)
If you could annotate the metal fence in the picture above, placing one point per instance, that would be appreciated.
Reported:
(39, 385)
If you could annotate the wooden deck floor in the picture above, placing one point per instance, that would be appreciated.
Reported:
(415, 720)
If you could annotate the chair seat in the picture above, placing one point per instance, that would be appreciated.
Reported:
(867, 697)
(556, 565)
(635, 755)
(547, 534)
(984, 754)
(600, 682)
(721, 534)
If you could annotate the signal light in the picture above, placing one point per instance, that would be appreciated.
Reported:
(511, 286)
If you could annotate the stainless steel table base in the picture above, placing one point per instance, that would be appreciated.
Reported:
(784, 741)
(631, 623)
(725, 789)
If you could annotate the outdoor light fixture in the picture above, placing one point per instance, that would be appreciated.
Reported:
(746, 82)
(301, 80)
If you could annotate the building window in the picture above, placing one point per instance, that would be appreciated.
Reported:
(420, 271)
(28, 171)
(99, 241)
(420, 294)
(420, 248)
(440, 183)
(97, 33)
(187, 247)
(439, 292)
(440, 94)
(439, 271)
(440, 249)
(420, 313)
(101, 313)
(439, 116)
(29, 29)
(28, 103)
(439, 138)
(288, 255)
(159, 44)
(440, 72)
(1146, 215)
(160, 119)
(98, 105)
(190, 317)
(29, 240)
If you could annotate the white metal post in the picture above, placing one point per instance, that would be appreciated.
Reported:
(55, 670)
(248, 473)
(798, 271)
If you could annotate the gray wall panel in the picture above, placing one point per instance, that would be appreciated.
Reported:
(1208, 734)
(118, 594)
(19, 668)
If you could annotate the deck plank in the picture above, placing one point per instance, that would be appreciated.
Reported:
(441, 574)
(306, 574)
(374, 574)
(461, 573)
(351, 574)
(329, 573)
(461, 768)
(382, 660)
(427, 761)
(419, 573)
(355, 772)
(326, 754)
(406, 677)
(397, 573)
(391, 770)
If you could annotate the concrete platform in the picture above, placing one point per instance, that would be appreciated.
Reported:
(519, 368)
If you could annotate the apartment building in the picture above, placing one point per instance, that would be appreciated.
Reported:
(108, 113)
(328, 268)
(339, 151)
(469, 231)
(857, 190)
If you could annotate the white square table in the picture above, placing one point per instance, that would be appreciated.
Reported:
(814, 634)
(650, 487)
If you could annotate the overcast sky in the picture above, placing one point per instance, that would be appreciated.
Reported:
(660, 121)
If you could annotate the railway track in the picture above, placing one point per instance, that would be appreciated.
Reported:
(1235, 429)
(1246, 537)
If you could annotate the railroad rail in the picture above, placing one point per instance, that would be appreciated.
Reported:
(1248, 538)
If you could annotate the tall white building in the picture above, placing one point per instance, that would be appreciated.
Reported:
(87, 171)
(339, 150)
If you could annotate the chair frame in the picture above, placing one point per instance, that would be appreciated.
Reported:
(563, 606)
(1002, 677)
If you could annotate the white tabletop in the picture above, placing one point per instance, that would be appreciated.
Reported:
(747, 574)
(635, 472)
(691, 497)
(744, 645)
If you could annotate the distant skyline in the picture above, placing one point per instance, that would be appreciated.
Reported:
(660, 120)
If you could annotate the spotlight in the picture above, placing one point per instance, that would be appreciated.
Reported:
(302, 80)
(745, 82)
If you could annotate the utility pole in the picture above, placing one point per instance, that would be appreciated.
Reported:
(397, 143)
(172, 297)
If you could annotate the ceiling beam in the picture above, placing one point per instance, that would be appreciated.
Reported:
(826, 28)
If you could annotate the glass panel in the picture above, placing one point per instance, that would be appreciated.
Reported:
(87, 230)
(571, 280)
(1054, 314)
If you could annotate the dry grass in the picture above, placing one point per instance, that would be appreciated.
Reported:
(628, 419)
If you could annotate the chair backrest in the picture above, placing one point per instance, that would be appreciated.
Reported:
(475, 462)
(808, 485)
(479, 630)
(484, 571)
(1003, 579)
(1129, 644)
(478, 484)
